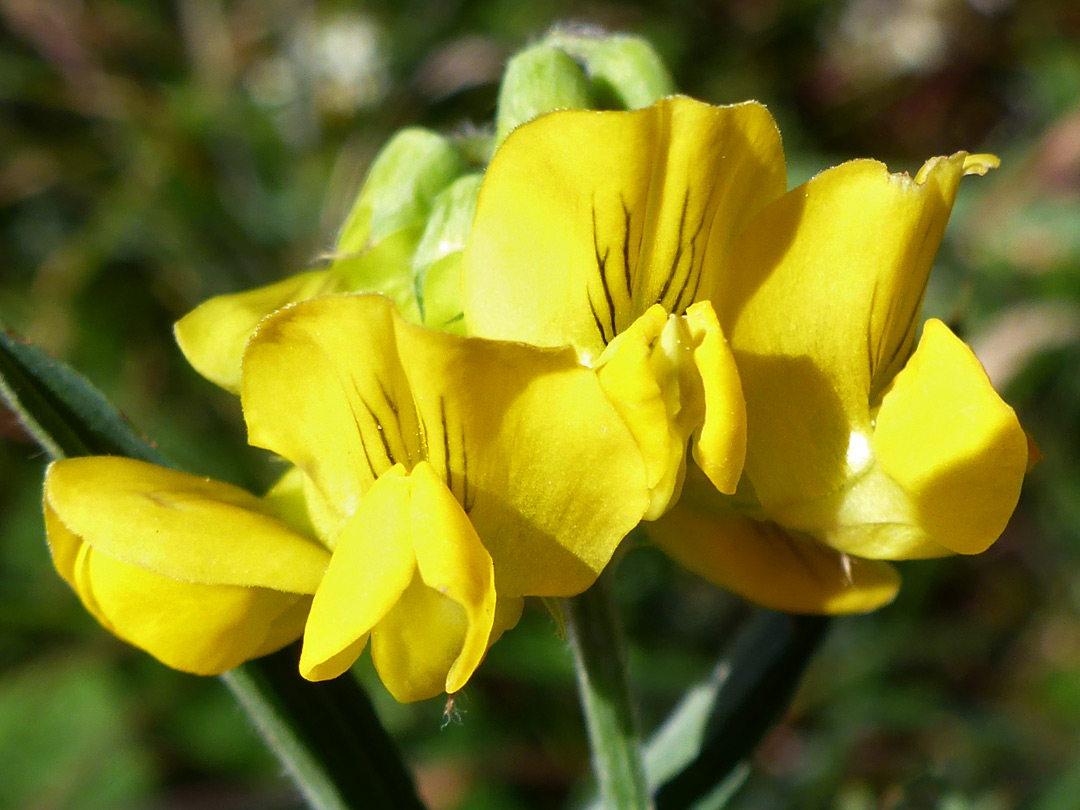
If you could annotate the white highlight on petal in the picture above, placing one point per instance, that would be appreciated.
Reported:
(858, 452)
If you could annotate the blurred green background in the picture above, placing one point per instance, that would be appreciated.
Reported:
(153, 154)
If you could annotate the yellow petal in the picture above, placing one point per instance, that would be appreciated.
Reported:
(948, 439)
(180, 526)
(508, 611)
(417, 643)
(323, 387)
(670, 377)
(502, 424)
(286, 628)
(453, 562)
(647, 395)
(820, 305)
(437, 633)
(768, 565)
(720, 443)
(372, 566)
(586, 219)
(198, 628)
(213, 335)
(527, 441)
(204, 629)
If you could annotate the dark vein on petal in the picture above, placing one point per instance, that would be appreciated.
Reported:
(422, 432)
(697, 283)
(397, 418)
(446, 445)
(380, 430)
(596, 319)
(625, 247)
(363, 444)
(871, 350)
(908, 337)
(678, 307)
(678, 251)
(466, 502)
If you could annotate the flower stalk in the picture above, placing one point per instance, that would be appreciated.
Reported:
(596, 638)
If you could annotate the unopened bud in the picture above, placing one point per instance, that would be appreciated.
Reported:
(414, 166)
(437, 261)
(625, 72)
(538, 80)
(375, 249)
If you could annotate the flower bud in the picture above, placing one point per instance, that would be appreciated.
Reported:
(413, 167)
(625, 72)
(437, 261)
(538, 80)
(373, 254)
(375, 249)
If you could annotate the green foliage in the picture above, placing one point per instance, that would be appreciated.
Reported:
(155, 155)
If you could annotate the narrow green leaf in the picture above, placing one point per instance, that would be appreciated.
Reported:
(327, 735)
(61, 410)
(697, 758)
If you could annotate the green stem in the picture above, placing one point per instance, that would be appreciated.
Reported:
(325, 734)
(600, 658)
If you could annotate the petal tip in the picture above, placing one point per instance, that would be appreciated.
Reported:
(980, 164)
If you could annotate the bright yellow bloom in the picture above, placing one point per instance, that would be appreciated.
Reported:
(858, 443)
(445, 478)
(200, 574)
(595, 230)
(441, 471)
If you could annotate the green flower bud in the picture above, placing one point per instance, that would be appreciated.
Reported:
(437, 261)
(538, 80)
(375, 249)
(414, 166)
(625, 72)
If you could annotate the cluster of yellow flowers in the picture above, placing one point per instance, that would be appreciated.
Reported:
(632, 284)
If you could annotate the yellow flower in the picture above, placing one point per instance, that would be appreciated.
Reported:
(445, 478)
(595, 229)
(199, 573)
(600, 230)
(441, 471)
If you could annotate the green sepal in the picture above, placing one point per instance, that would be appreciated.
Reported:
(538, 80)
(401, 184)
(375, 248)
(437, 261)
(625, 72)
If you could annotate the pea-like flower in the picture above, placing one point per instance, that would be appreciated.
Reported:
(438, 480)
(601, 231)
(621, 233)
(444, 471)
